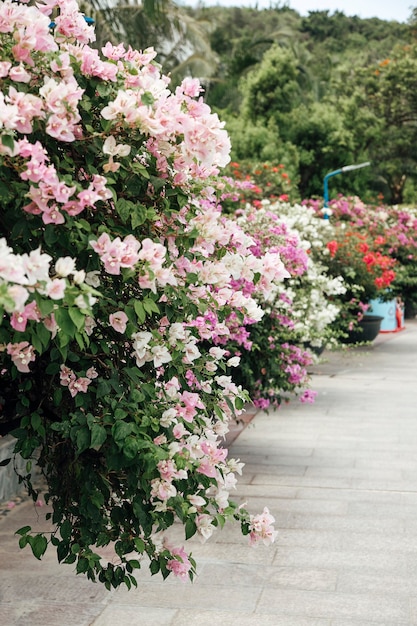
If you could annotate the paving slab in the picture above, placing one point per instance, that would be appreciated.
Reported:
(339, 476)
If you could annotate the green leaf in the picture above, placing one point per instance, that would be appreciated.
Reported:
(182, 200)
(98, 436)
(124, 208)
(103, 89)
(218, 412)
(83, 439)
(140, 311)
(45, 306)
(62, 551)
(80, 340)
(65, 323)
(37, 344)
(140, 169)
(77, 317)
(121, 430)
(57, 396)
(103, 388)
(51, 236)
(150, 306)
(70, 559)
(38, 543)
(127, 582)
(8, 141)
(52, 368)
(190, 528)
(239, 404)
(24, 530)
(140, 545)
(147, 98)
(66, 529)
(139, 216)
(131, 448)
(5, 462)
(82, 224)
(229, 403)
(37, 425)
(82, 565)
(44, 335)
(106, 124)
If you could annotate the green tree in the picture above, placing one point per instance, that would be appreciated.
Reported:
(379, 104)
(323, 144)
(272, 89)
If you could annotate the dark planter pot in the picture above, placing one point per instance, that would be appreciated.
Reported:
(317, 350)
(368, 330)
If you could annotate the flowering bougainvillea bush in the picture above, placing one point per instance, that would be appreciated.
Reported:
(311, 300)
(117, 274)
(355, 255)
(299, 313)
(257, 182)
(315, 294)
(364, 248)
(395, 230)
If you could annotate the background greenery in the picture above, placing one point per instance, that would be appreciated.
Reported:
(314, 93)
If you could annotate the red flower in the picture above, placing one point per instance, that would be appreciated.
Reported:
(332, 246)
(363, 247)
(369, 259)
(379, 241)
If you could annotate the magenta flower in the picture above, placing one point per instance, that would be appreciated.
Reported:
(308, 396)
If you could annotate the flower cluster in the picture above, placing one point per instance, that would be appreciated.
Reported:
(365, 269)
(122, 275)
(365, 249)
(393, 229)
(261, 528)
(269, 181)
(273, 363)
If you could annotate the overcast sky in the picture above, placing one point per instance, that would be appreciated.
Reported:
(399, 10)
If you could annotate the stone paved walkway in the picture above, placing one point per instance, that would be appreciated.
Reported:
(340, 477)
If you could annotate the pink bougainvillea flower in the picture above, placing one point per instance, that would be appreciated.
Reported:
(78, 385)
(19, 319)
(22, 354)
(261, 528)
(180, 565)
(56, 288)
(118, 321)
(308, 396)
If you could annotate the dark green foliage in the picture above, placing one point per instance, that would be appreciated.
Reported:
(307, 86)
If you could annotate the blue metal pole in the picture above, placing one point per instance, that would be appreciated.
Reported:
(326, 191)
(345, 168)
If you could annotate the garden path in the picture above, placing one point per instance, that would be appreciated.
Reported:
(340, 477)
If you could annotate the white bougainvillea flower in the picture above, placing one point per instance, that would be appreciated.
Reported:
(113, 149)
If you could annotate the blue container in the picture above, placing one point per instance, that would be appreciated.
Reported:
(391, 312)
